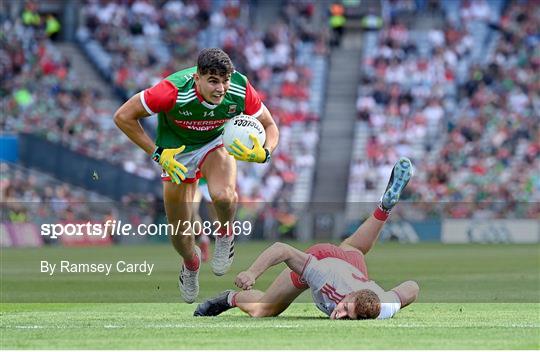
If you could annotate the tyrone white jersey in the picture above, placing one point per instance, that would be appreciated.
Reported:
(331, 279)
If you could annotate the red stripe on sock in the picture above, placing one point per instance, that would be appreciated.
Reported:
(380, 214)
(224, 231)
(192, 264)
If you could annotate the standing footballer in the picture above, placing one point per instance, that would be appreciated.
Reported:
(192, 107)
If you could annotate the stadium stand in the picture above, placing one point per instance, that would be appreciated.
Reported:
(25, 191)
(31, 198)
(286, 64)
(470, 120)
(48, 100)
(452, 84)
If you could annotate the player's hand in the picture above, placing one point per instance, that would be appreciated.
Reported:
(165, 158)
(240, 152)
(245, 280)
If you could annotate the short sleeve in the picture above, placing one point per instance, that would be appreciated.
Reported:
(254, 105)
(159, 98)
(314, 274)
(390, 304)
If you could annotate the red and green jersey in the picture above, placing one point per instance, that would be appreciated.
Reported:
(185, 118)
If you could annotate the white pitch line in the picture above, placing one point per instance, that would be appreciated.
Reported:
(158, 326)
(211, 326)
(524, 325)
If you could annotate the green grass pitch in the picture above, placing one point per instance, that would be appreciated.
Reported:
(472, 297)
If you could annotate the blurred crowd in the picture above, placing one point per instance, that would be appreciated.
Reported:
(29, 196)
(470, 126)
(460, 98)
(149, 40)
(146, 41)
(42, 95)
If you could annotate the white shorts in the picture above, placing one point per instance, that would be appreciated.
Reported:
(193, 161)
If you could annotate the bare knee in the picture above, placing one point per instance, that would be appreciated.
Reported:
(351, 245)
(224, 197)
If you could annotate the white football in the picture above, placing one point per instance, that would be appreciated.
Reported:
(241, 127)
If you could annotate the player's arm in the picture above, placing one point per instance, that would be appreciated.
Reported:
(270, 127)
(127, 119)
(407, 292)
(159, 98)
(259, 153)
(397, 298)
(273, 255)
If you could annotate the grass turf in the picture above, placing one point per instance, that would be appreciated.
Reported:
(472, 297)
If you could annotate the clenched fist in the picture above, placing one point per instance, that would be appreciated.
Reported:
(245, 280)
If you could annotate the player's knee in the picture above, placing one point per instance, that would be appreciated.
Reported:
(224, 197)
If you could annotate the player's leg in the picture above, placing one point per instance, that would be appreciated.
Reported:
(223, 302)
(178, 200)
(275, 300)
(219, 169)
(203, 188)
(178, 208)
(365, 237)
(197, 222)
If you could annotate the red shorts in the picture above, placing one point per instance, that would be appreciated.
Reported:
(327, 250)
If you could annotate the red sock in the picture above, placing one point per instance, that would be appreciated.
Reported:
(381, 214)
(192, 264)
(223, 231)
(205, 251)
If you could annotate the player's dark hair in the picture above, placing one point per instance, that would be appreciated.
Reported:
(214, 61)
(367, 304)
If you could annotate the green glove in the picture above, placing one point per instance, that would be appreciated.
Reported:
(165, 158)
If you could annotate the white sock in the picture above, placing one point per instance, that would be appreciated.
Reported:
(230, 298)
